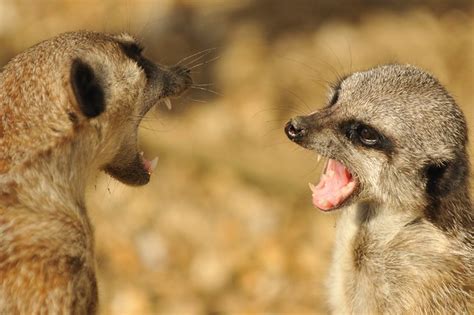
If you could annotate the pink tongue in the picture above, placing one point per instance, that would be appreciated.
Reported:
(335, 186)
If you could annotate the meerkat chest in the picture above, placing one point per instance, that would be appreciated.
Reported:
(345, 274)
(357, 271)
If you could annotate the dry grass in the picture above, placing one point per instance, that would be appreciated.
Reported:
(226, 224)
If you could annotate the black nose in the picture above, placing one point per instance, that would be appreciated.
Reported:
(294, 130)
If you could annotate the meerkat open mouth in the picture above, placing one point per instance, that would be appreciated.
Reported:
(133, 168)
(150, 165)
(130, 165)
(335, 186)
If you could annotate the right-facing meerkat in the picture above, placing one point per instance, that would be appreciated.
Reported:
(69, 106)
(398, 169)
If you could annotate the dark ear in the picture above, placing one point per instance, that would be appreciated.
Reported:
(445, 177)
(87, 89)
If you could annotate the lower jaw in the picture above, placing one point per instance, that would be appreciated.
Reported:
(138, 171)
(135, 173)
(341, 206)
(129, 177)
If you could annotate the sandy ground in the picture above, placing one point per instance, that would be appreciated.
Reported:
(226, 225)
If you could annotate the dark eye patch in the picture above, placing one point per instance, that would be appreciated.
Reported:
(364, 135)
(134, 52)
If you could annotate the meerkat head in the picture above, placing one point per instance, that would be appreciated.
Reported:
(82, 85)
(391, 134)
(117, 89)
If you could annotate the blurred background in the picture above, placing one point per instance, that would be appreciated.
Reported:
(226, 225)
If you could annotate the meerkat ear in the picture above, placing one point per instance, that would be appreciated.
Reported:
(442, 178)
(87, 89)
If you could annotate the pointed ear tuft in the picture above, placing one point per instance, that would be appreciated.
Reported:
(87, 89)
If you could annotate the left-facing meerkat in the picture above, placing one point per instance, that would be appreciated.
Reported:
(398, 169)
(69, 106)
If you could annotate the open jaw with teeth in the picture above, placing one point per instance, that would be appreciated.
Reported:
(335, 186)
(150, 165)
(133, 168)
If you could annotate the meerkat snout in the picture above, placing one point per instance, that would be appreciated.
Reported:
(398, 168)
(295, 130)
(178, 80)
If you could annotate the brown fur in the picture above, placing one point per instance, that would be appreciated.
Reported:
(51, 145)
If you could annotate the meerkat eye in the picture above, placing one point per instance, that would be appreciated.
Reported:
(368, 136)
(359, 133)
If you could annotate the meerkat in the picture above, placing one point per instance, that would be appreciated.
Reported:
(69, 106)
(398, 169)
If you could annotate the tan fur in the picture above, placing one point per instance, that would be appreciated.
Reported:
(392, 267)
(404, 241)
(50, 150)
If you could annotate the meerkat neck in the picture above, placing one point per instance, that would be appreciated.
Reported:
(63, 173)
(450, 213)
(380, 219)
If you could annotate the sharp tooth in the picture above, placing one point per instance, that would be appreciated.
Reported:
(319, 158)
(167, 103)
(312, 187)
(153, 163)
(141, 153)
(321, 184)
